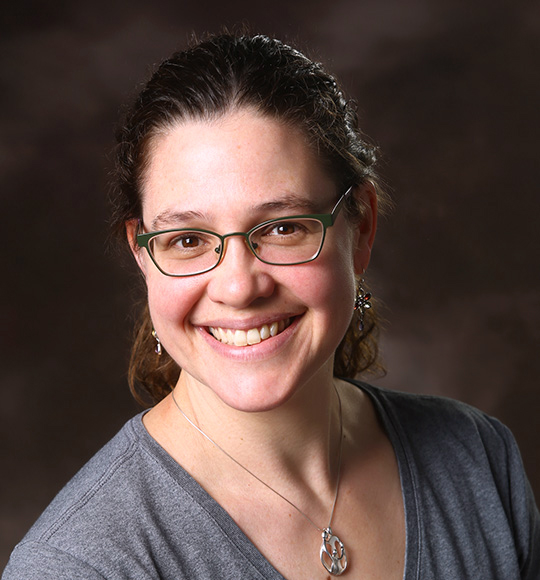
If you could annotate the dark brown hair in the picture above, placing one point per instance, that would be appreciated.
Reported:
(218, 75)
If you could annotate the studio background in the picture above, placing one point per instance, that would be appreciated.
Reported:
(448, 90)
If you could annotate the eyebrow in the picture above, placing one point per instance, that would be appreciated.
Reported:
(171, 218)
(296, 204)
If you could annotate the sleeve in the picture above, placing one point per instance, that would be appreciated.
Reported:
(38, 561)
(524, 512)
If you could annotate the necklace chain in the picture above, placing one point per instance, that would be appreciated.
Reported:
(266, 484)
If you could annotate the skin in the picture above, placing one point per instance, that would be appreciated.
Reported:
(276, 399)
(224, 171)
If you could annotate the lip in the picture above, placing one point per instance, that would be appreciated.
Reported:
(261, 350)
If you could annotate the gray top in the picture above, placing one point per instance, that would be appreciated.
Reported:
(133, 513)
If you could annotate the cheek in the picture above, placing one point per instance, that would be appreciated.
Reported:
(328, 286)
(169, 300)
(338, 288)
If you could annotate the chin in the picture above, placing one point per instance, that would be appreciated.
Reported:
(250, 393)
(254, 400)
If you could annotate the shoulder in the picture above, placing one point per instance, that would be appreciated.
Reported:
(105, 471)
(462, 470)
(89, 506)
(443, 439)
(38, 561)
(444, 436)
(431, 420)
(133, 512)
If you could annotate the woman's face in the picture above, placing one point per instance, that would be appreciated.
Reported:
(228, 175)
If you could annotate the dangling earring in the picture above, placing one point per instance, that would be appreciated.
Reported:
(158, 349)
(362, 303)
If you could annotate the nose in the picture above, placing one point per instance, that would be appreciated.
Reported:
(240, 278)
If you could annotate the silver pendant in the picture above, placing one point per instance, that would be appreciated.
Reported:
(333, 556)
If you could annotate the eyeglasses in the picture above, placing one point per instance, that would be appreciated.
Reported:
(285, 241)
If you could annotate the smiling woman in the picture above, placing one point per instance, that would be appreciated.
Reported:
(249, 201)
(234, 180)
(274, 82)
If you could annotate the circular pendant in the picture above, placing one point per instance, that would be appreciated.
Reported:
(333, 556)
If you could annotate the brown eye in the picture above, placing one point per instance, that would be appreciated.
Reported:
(285, 229)
(188, 242)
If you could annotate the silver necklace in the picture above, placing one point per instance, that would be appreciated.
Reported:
(332, 552)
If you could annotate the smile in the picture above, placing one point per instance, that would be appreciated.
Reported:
(251, 336)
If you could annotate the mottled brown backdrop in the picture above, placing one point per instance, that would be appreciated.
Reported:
(448, 89)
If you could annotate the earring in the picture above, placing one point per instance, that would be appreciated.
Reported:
(362, 303)
(158, 350)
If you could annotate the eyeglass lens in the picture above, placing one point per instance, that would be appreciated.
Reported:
(282, 242)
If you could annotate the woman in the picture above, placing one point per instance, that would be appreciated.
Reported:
(249, 199)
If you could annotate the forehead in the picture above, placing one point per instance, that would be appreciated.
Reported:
(236, 162)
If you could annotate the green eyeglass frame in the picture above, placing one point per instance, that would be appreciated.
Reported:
(327, 220)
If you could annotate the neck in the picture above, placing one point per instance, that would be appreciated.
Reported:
(299, 439)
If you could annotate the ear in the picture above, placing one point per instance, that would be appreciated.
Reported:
(132, 227)
(366, 227)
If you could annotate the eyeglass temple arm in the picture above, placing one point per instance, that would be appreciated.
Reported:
(340, 202)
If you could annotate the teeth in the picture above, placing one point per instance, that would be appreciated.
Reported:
(240, 338)
(251, 336)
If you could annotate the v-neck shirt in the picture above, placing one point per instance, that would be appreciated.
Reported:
(133, 512)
